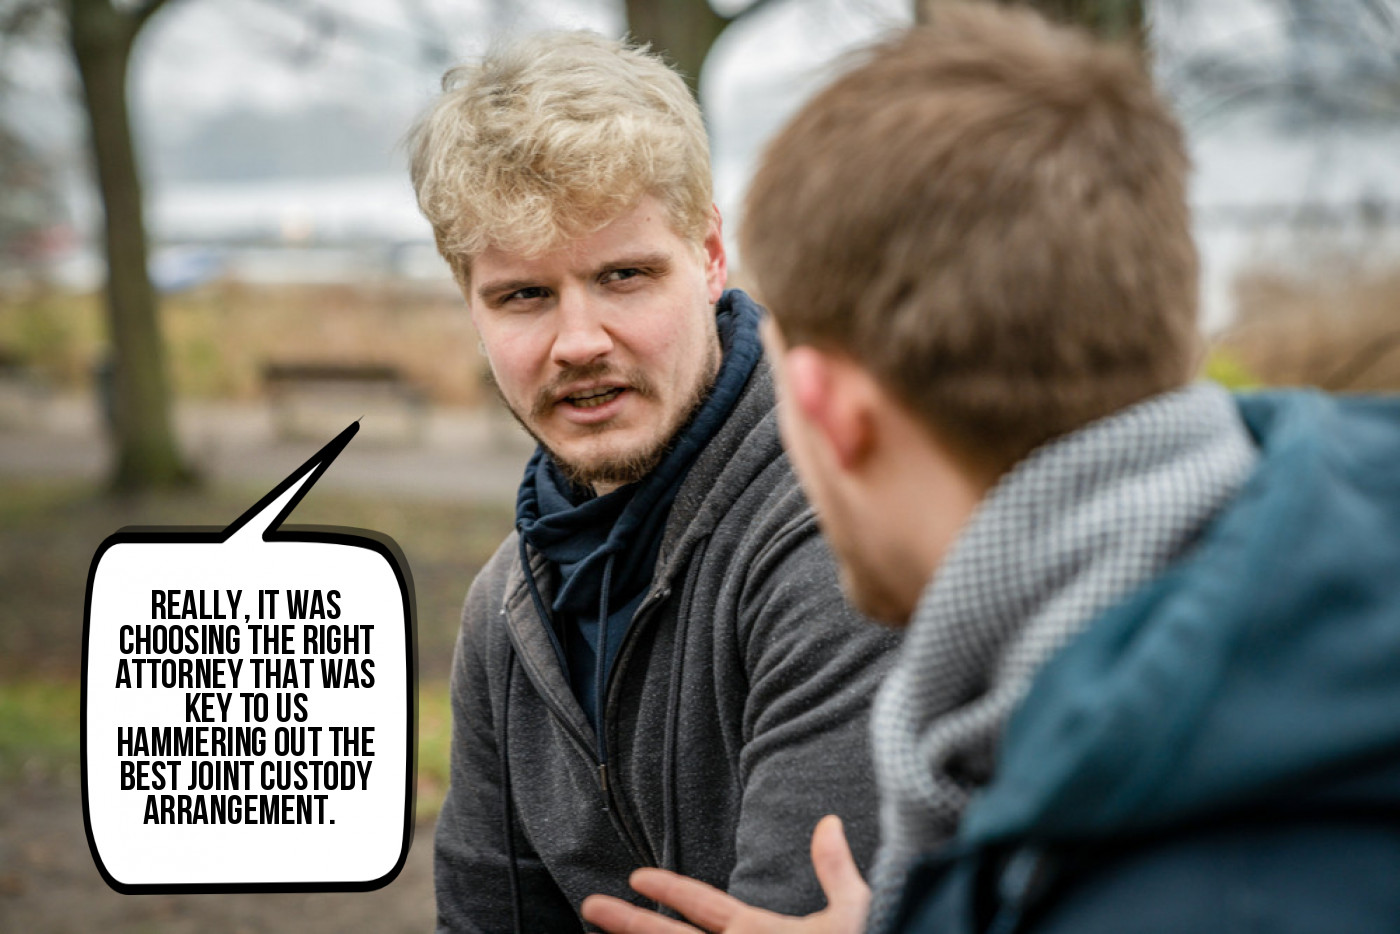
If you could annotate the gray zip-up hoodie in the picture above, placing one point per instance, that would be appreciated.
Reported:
(735, 715)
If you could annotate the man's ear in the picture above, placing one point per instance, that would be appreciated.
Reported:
(716, 264)
(833, 394)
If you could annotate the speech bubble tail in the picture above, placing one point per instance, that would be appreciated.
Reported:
(284, 497)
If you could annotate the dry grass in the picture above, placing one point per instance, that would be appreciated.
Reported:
(218, 337)
(1341, 335)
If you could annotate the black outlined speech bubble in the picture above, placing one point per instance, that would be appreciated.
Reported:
(250, 704)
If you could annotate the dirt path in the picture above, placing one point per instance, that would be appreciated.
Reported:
(459, 455)
(49, 885)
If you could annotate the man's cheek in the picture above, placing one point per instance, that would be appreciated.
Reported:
(785, 427)
(506, 358)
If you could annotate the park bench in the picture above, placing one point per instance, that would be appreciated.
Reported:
(311, 398)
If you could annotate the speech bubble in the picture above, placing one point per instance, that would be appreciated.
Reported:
(249, 703)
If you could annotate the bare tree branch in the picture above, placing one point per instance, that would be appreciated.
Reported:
(750, 10)
(429, 30)
(144, 12)
(23, 17)
(369, 36)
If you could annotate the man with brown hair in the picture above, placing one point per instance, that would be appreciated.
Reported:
(1149, 680)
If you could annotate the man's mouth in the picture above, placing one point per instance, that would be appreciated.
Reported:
(592, 398)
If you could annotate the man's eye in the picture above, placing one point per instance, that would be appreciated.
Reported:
(525, 295)
(618, 275)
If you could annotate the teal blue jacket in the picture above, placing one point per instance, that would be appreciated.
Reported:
(1221, 750)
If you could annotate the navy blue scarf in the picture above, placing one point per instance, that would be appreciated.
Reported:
(604, 548)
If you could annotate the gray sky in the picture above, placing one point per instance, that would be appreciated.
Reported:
(229, 88)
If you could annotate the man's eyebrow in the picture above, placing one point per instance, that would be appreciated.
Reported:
(488, 290)
(643, 260)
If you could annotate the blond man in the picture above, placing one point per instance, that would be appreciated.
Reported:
(1149, 679)
(657, 669)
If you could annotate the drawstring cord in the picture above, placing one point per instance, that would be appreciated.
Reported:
(600, 671)
(671, 857)
(670, 785)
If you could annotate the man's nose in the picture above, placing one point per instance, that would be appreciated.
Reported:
(583, 336)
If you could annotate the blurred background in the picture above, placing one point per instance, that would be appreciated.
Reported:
(211, 262)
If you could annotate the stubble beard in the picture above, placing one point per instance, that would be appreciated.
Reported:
(864, 581)
(628, 466)
(865, 591)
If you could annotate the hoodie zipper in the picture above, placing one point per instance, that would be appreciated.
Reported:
(640, 852)
(580, 743)
(600, 678)
(611, 798)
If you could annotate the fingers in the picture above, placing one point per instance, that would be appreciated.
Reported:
(620, 917)
(703, 904)
(847, 895)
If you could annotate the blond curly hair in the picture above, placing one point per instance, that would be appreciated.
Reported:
(550, 138)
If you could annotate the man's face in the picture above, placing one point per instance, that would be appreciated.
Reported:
(866, 577)
(603, 347)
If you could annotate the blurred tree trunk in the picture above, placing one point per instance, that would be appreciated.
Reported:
(682, 30)
(101, 36)
(1118, 20)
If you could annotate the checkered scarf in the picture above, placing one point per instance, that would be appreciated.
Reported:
(1069, 531)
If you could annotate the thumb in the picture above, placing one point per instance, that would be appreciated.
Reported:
(847, 895)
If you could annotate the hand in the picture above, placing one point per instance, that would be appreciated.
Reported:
(847, 899)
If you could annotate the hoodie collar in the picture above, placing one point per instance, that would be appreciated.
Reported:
(1259, 666)
(579, 532)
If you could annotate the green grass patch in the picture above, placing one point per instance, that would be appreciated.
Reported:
(39, 732)
(434, 747)
(59, 335)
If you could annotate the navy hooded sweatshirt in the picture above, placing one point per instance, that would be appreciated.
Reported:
(604, 548)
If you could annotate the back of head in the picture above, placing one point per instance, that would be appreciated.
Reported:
(551, 137)
(989, 214)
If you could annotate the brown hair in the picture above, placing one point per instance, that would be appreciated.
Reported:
(551, 137)
(989, 215)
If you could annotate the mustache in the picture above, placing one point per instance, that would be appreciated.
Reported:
(633, 379)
